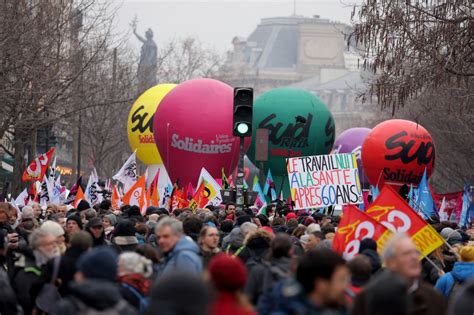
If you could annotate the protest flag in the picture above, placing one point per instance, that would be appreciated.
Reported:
(424, 199)
(178, 199)
(46, 192)
(136, 195)
(22, 199)
(374, 192)
(127, 175)
(153, 195)
(453, 203)
(353, 227)
(52, 170)
(72, 193)
(78, 196)
(37, 169)
(91, 193)
(255, 180)
(225, 183)
(215, 197)
(394, 212)
(269, 186)
(115, 199)
(260, 200)
(190, 191)
(200, 198)
(443, 214)
(466, 206)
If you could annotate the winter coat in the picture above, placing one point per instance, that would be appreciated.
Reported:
(26, 279)
(374, 259)
(96, 295)
(273, 272)
(461, 272)
(184, 257)
(227, 304)
(8, 300)
(233, 241)
(67, 269)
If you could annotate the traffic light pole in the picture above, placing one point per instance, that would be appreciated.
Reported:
(239, 185)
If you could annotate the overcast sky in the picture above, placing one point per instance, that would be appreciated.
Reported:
(216, 22)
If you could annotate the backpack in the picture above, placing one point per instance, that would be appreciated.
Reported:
(143, 301)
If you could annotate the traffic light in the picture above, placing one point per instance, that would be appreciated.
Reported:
(243, 102)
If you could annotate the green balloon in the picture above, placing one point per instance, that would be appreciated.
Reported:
(312, 133)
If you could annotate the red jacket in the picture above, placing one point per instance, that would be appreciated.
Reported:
(227, 304)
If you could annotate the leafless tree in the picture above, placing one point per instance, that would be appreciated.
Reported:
(186, 59)
(421, 56)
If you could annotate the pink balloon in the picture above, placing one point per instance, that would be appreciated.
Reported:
(193, 129)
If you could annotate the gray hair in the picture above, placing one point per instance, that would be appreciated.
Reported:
(131, 262)
(36, 237)
(174, 224)
(389, 251)
(248, 227)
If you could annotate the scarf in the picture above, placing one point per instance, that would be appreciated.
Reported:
(138, 281)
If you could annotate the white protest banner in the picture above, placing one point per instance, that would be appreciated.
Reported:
(323, 180)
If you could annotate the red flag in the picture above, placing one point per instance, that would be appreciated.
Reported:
(354, 226)
(152, 193)
(79, 197)
(37, 168)
(190, 191)
(201, 197)
(135, 196)
(394, 212)
(115, 199)
(178, 199)
(453, 202)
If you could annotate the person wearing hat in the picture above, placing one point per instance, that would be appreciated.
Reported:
(109, 221)
(125, 238)
(451, 236)
(463, 271)
(73, 224)
(95, 289)
(134, 272)
(229, 286)
(95, 227)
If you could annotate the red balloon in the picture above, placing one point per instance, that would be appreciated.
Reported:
(397, 152)
(193, 129)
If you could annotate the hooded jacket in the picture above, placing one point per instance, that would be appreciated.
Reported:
(183, 257)
(98, 295)
(461, 272)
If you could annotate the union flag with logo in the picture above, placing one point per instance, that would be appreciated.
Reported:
(37, 168)
(354, 226)
(393, 211)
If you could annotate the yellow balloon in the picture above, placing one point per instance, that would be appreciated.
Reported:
(140, 123)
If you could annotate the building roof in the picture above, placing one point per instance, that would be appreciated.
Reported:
(350, 81)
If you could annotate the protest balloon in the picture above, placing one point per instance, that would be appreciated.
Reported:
(193, 129)
(140, 123)
(397, 152)
(299, 124)
(350, 141)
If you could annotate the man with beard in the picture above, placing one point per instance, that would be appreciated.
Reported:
(321, 280)
(26, 276)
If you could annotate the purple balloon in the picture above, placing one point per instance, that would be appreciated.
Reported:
(350, 141)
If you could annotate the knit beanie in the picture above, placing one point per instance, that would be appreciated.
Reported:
(83, 205)
(53, 228)
(75, 218)
(112, 219)
(99, 263)
(125, 228)
(227, 273)
(451, 236)
(290, 216)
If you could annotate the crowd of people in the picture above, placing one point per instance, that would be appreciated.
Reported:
(219, 260)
